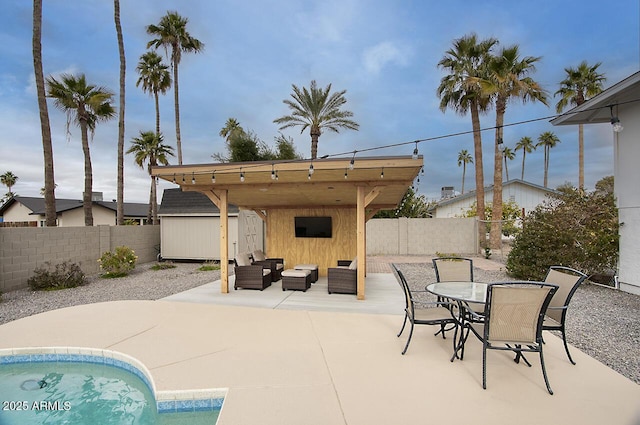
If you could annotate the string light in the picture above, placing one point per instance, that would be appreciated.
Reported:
(174, 178)
(353, 160)
(241, 175)
(311, 170)
(213, 177)
(183, 182)
(415, 152)
(382, 173)
(273, 173)
(345, 174)
(193, 178)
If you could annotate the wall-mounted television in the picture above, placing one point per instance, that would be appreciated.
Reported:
(313, 227)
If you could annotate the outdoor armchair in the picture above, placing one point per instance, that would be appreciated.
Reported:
(422, 313)
(513, 318)
(568, 280)
(250, 276)
(457, 269)
(344, 278)
(276, 265)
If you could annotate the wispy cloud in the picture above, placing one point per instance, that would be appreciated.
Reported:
(377, 57)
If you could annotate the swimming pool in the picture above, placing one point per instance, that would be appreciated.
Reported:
(63, 388)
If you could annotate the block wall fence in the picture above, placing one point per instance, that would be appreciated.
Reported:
(22, 250)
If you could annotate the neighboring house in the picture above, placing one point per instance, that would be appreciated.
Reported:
(620, 102)
(30, 211)
(526, 195)
(190, 228)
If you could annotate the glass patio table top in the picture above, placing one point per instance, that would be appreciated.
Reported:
(475, 292)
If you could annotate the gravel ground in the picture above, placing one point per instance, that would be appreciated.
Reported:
(602, 322)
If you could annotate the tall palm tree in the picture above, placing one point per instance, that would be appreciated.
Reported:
(548, 140)
(315, 109)
(460, 90)
(154, 78)
(230, 128)
(171, 33)
(526, 145)
(86, 104)
(464, 158)
(507, 79)
(148, 148)
(123, 67)
(45, 128)
(580, 84)
(9, 179)
(508, 154)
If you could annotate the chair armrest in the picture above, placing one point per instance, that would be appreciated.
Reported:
(344, 262)
(276, 260)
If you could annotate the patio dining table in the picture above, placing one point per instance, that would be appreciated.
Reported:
(462, 293)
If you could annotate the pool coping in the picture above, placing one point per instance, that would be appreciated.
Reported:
(167, 401)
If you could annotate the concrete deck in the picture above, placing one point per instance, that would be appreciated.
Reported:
(293, 358)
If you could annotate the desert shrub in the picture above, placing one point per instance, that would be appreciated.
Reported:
(119, 262)
(209, 266)
(511, 214)
(163, 266)
(60, 276)
(575, 228)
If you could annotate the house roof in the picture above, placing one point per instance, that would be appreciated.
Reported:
(597, 109)
(36, 205)
(512, 182)
(385, 179)
(175, 201)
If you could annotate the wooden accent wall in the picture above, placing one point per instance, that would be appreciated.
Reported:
(282, 241)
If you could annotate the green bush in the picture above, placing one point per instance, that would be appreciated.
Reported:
(208, 266)
(63, 275)
(118, 263)
(575, 229)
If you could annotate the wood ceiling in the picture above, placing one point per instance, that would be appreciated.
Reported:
(389, 177)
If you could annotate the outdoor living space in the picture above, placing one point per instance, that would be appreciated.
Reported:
(293, 357)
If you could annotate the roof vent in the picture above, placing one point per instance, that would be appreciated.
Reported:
(447, 192)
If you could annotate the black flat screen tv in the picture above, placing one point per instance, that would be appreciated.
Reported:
(313, 227)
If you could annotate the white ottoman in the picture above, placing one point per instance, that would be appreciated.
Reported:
(296, 279)
(313, 268)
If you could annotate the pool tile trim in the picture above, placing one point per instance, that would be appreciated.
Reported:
(166, 401)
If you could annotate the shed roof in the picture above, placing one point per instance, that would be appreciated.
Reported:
(176, 202)
(36, 205)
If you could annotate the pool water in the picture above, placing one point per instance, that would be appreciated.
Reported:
(82, 393)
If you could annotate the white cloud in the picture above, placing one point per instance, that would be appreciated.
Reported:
(377, 57)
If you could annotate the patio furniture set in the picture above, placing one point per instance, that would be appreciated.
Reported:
(509, 316)
(256, 271)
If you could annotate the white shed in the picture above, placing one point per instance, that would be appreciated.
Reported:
(190, 228)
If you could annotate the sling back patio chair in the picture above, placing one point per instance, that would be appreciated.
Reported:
(457, 269)
(513, 321)
(424, 313)
(568, 280)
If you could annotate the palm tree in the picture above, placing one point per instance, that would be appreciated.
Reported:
(87, 105)
(123, 67)
(230, 128)
(9, 179)
(580, 84)
(508, 154)
(155, 78)
(507, 78)
(314, 108)
(464, 158)
(148, 148)
(549, 140)
(171, 33)
(461, 91)
(526, 145)
(45, 128)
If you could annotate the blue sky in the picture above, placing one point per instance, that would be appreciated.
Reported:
(384, 53)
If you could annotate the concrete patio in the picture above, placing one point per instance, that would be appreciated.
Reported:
(313, 358)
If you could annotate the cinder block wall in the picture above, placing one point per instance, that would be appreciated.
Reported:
(22, 250)
(421, 236)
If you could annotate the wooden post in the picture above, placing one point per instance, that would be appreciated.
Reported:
(224, 245)
(361, 243)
